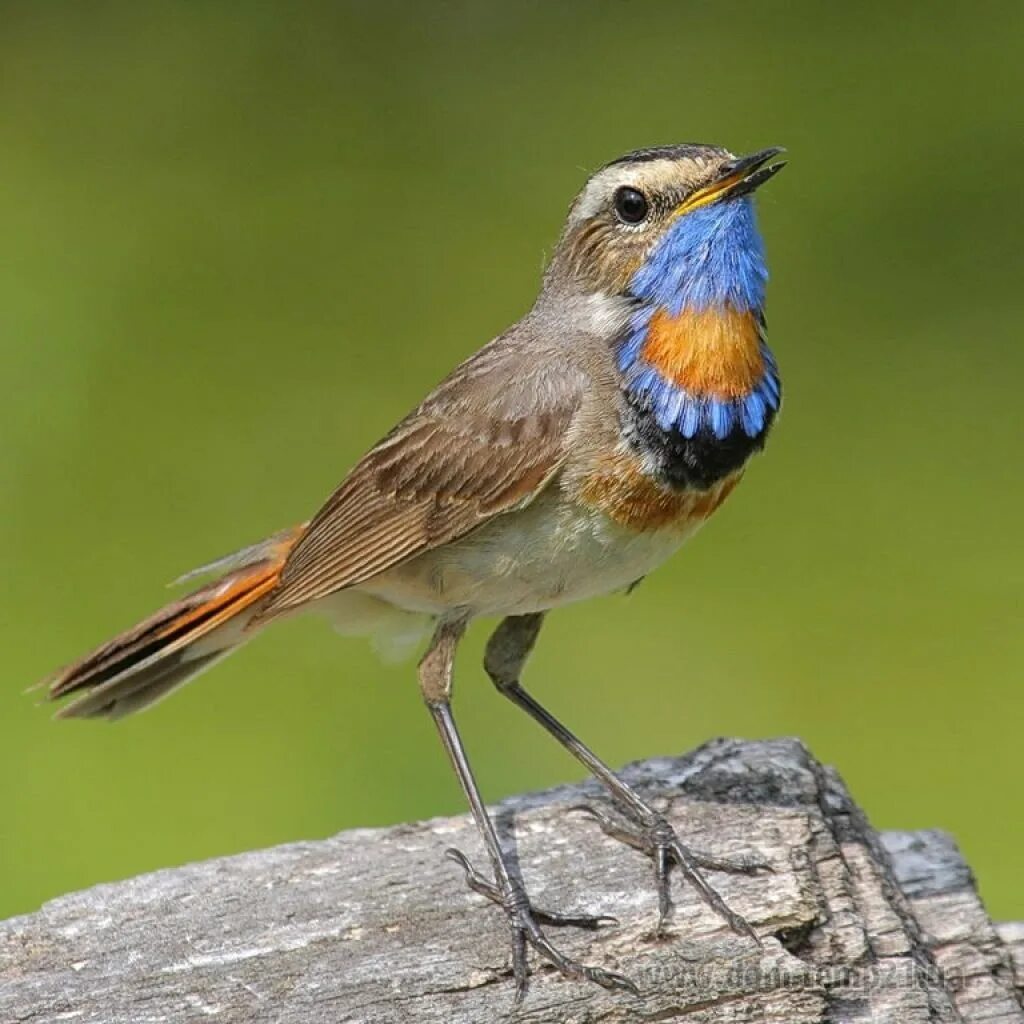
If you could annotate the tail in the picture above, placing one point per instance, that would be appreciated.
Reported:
(144, 664)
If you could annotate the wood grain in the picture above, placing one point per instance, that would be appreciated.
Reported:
(376, 925)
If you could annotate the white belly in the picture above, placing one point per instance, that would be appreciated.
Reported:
(543, 556)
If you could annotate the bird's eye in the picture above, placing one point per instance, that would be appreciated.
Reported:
(630, 205)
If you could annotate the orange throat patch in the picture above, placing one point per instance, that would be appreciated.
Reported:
(712, 352)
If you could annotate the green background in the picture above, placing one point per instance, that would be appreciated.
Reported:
(238, 241)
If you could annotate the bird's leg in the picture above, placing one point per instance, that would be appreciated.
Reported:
(507, 651)
(435, 675)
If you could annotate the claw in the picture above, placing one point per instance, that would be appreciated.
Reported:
(519, 968)
(615, 829)
(574, 969)
(736, 866)
(691, 872)
(663, 885)
(658, 840)
(474, 879)
(525, 921)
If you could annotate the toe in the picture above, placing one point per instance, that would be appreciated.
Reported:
(611, 980)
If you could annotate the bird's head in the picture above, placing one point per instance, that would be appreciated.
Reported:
(671, 226)
(661, 255)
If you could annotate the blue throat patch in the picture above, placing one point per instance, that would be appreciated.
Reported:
(711, 258)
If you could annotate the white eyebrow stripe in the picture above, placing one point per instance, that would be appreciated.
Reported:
(601, 186)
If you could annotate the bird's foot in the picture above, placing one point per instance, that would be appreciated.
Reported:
(525, 922)
(656, 837)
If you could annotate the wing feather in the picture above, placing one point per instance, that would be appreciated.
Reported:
(485, 442)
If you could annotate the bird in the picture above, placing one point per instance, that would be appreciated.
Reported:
(566, 459)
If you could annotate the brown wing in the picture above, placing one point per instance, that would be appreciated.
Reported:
(485, 442)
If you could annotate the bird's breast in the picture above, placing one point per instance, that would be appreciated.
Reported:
(620, 487)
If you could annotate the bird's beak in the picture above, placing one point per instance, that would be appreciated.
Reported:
(738, 177)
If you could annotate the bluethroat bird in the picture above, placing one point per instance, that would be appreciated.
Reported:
(567, 458)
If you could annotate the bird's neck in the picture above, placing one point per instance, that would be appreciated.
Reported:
(696, 369)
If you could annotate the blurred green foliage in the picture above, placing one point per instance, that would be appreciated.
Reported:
(240, 240)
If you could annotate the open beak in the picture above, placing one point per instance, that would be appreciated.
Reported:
(738, 177)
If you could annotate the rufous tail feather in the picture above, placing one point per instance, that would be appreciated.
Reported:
(143, 664)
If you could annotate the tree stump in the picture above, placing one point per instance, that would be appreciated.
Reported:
(376, 925)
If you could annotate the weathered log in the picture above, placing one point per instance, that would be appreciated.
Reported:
(376, 925)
